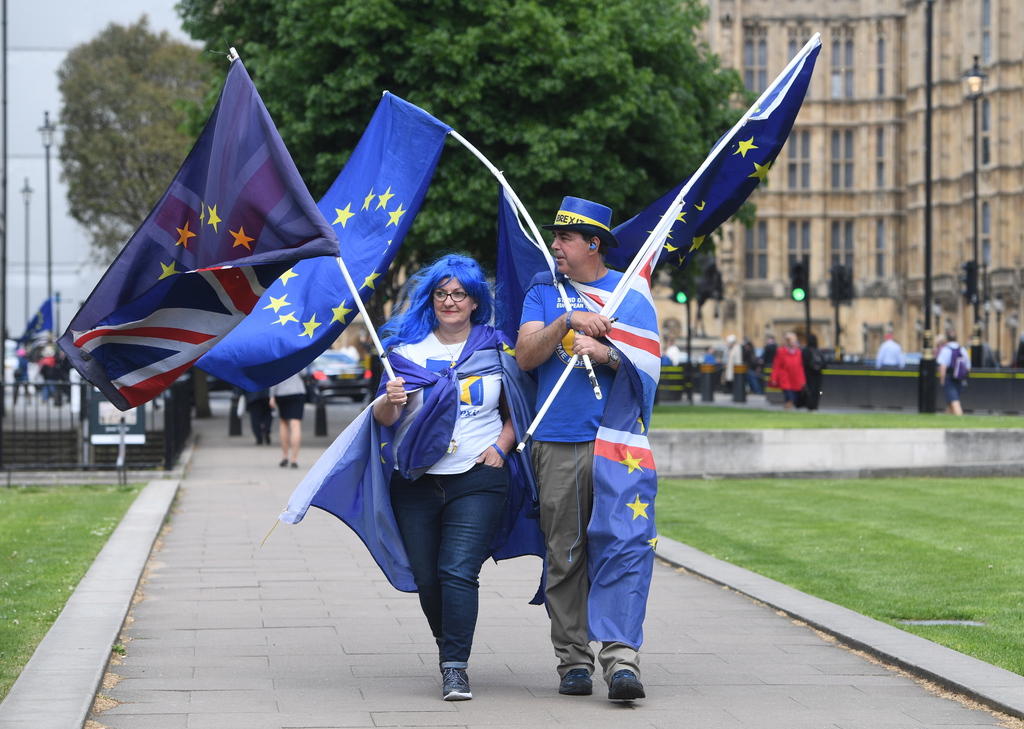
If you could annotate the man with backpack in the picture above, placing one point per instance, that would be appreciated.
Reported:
(954, 368)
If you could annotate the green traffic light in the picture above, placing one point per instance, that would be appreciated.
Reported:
(680, 297)
(798, 294)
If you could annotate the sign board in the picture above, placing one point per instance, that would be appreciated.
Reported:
(105, 422)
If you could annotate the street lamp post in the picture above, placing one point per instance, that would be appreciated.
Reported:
(26, 193)
(926, 373)
(47, 131)
(974, 80)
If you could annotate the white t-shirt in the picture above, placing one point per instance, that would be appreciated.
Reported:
(479, 421)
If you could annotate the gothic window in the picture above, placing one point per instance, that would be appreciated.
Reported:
(756, 250)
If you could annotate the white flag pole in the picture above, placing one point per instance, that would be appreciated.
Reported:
(366, 319)
(538, 242)
(656, 238)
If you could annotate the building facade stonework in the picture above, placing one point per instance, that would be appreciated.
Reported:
(848, 186)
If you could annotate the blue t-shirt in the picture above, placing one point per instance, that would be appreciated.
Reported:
(575, 414)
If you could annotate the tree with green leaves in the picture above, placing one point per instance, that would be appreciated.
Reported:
(128, 95)
(611, 100)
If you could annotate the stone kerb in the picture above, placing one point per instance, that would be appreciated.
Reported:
(696, 453)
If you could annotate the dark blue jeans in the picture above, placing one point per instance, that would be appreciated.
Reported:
(447, 523)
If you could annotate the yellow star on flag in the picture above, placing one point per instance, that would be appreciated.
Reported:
(202, 211)
(382, 201)
(633, 464)
(277, 303)
(682, 216)
(643, 428)
(368, 199)
(213, 219)
(701, 206)
(308, 327)
(670, 248)
(283, 319)
(286, 276)
(396, 215)
(653, 542)
(384, 443)
(368, 282)
(183, 235)
(340, 312)
(241, 239)
(343, 215)
(639, 508)
(745, 147)
(166, 271)
(760, 171)
(697, 242)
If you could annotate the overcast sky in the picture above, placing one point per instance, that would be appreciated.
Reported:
(40, 35)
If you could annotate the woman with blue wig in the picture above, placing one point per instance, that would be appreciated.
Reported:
(450, 486)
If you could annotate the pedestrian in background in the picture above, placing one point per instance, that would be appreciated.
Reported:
(814, 365)
(890, 353)
(753, 367)
(954, 364)
(289, 399)
(260, 415)
(733, 357)
(788, 370)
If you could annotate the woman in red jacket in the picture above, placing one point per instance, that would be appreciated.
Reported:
(788, 370)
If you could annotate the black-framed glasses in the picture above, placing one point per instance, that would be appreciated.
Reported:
(457, 295)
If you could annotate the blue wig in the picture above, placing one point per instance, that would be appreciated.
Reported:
(418, 319)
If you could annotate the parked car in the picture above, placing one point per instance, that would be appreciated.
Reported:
(337, 373)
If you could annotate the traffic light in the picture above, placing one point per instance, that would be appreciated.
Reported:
(798, 281)
(840, 285)
(680, 297)
(969, 279)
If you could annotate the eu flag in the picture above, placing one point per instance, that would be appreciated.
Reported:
(371, 205)
(731, 175)
(39, 326)
(235, 216)
(519, 261)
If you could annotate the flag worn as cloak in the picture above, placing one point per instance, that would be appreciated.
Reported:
(621, 535)
(371, 204)
(235, 217)
(352, 478)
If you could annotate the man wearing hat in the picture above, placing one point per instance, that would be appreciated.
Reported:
(563, 445)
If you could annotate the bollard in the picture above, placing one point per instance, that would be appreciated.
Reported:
(234, 419)
(739, 383)
(320, 427)
(707, 383)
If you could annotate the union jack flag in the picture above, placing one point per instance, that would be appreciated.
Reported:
(621, 535)
(236, 216)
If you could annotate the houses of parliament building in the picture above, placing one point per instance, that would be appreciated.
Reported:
(849, 186)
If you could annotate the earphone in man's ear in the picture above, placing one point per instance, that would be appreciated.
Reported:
(593, 246)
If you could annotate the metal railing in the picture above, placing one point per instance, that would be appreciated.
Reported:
(45, 427)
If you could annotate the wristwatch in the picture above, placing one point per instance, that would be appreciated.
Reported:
(613, 357)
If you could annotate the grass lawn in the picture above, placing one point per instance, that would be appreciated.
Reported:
(893, 549)
(709, 417)
(48, 539)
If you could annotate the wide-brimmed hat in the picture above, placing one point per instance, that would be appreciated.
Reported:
(586, 217)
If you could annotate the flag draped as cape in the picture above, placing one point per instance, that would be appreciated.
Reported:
(351, 480)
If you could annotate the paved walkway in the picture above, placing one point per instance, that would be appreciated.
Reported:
(305, 632)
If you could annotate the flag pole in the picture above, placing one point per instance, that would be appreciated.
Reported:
(657, 236)
(538, 241)
(366, 319)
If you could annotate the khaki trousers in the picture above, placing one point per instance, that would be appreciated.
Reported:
(565, 480)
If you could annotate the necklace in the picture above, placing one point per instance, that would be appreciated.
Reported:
(452, 355)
